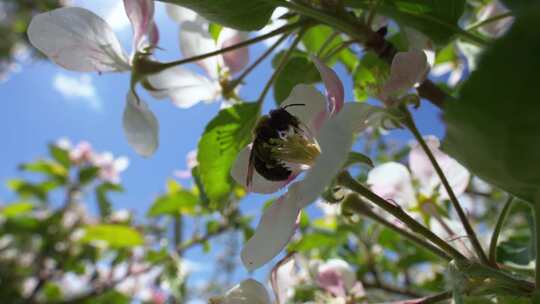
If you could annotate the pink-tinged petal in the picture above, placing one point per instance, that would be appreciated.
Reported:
(238, 59)
(140, 126)
(259, 184)
(335, 140)
(277, 226)
(78, 40)
(408, 70)
(499, 27)
(247, 292)
(335, 92)
(196, 40)
(314, 112)
(419, 41)
(180, 14)
(184, 87)
(422, 169)
(332, 282)
(343, 269)
(392, 181)
(141, 16)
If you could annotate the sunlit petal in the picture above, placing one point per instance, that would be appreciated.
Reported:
(335, 139)
(196, 40)
(312, 110)
(141, 16)
(184, 87)
(392, 181)
(78, 40)
(277, 226)
(140, 126)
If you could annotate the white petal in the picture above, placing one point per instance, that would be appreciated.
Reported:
(258, 184)
(422, 169)
(408, 70)
(237, 59)
(140, 126)
(78, 40)
(180, 14)
(184, 87)
(335, 139)
(141, 16)
(277, 226)
(247, 292)
(392, 181)
(314, 112)
(196, 40)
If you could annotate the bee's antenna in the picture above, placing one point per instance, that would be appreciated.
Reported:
(293, 105)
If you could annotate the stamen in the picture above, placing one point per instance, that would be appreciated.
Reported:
(295, 148)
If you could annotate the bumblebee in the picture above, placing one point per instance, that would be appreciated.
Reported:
(280, 139)
(270, 131)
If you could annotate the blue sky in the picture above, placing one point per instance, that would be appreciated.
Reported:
(43, 103)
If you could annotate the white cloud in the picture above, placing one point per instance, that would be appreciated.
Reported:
(77, 88)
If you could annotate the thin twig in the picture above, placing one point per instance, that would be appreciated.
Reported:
(234, 83)
(497, 231)
(281, 66)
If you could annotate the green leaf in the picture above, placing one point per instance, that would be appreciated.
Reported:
(315, 38)
(438, 19)
(104, 204)
(368, 75)
(299, 69)
(46, 167)
(180, 202)
(358, 158)
(116, 236)
(223, 138)
(60, 155)
(493, 127)
(239, 14)
(16, 209)
(214, 30)
(88, 174)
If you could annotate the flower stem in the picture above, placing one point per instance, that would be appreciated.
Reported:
(409, 123)
(536, 208)
(357, 205)
(489, 20)
(347, 181)
(281, 66)
(235, 82)
(497, 231)
(281, 30)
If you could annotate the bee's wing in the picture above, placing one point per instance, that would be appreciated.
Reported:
(249, 175)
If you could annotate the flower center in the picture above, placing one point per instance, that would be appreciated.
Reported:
(295, 147)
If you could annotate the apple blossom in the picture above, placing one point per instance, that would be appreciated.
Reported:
(333, 130)
(188, 88)
(338, 278)
(79, 40)
(417, 190)
(191, 162)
